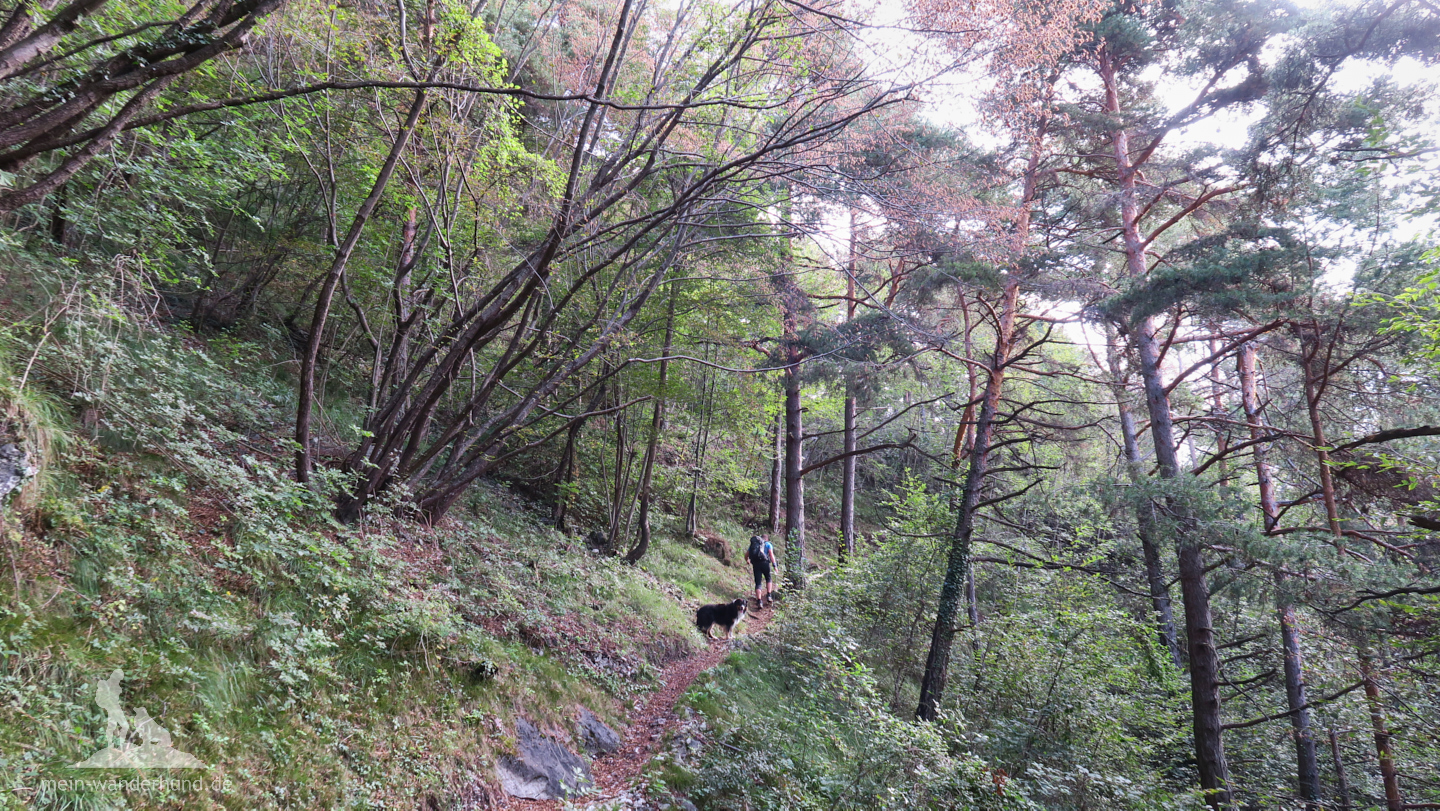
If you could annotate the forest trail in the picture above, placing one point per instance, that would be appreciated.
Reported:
(651, 725)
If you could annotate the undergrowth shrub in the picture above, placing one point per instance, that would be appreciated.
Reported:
(1058, 692)
(802, 724)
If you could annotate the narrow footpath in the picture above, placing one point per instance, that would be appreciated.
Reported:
(652, 724)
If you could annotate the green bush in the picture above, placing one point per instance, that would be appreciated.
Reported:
(805, 727)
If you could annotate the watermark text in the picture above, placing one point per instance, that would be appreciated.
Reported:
(142, 784)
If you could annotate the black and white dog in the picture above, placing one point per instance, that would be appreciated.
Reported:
(726, 615)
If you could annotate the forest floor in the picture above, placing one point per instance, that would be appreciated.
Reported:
(616, 774)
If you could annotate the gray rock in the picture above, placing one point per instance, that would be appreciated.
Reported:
(14, 468)
(544, 770)
(595, 735)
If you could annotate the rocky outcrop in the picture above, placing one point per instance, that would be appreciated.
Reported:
(15, 468)
(595, 736)
(544, 769)
(716, 547)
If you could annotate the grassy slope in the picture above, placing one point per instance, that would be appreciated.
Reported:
(311, 665)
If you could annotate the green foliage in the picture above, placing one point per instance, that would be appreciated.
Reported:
(1239, 272)
(309, 664)
(1416, 310)
(1056, 689)
(803, 726)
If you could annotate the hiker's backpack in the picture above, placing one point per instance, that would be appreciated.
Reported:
(756, 553)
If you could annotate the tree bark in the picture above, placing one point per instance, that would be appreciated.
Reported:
(1316, 381)
(1307, 766)
(702, 440)
(1342, 785)
(1388, 775)
(316, 338)
(1204, 660)
(1316, 376)
(1145, 520)
(624, 461)
(657, 427)
(794, 481)
(777, 475)
(847, 482)
(937, 663)
(565, 473)
(964, 436)
(793, 302)
(1217, 410)
(1195, 591)
(965, 432)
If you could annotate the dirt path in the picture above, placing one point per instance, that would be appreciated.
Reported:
(650, 726)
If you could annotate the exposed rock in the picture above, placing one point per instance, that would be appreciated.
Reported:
(618, 667)
(716, 547)
(15, 468)
(544, 769)
(595, 736)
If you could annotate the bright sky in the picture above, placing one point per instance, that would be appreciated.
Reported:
(898, 52)
(951, 99)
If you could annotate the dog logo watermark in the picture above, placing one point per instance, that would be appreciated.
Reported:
(133, 742)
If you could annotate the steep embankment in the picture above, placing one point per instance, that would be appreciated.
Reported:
(310, 665)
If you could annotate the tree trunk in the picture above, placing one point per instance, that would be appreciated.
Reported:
(702, 440)
(58, 224)
(1307, 766)
(1217, 410)
(1204, 660)
(1342, 785)
(1145, 520)
(1316, 381)
(847, 482)
(793, 302)
(1195, 591)
(794, 482)
(965, 432)
(657, 427)
(1316, 375)
(937, 663)
(777, 475)
(624, 461)
(310, 359)
(964, 437)
(565, 473)
(1388, 774)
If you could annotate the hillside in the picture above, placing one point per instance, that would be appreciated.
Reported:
(392, 393)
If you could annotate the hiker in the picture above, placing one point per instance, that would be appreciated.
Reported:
(762, 560)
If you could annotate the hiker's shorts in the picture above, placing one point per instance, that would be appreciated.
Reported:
(762, 575)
